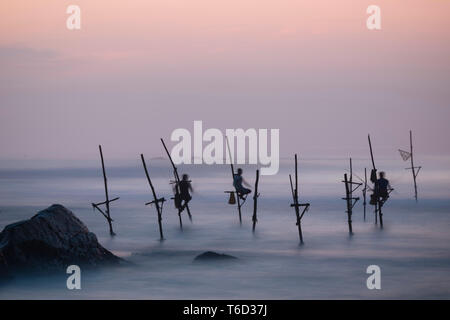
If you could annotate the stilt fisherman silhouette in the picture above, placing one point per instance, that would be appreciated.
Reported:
(238, 182)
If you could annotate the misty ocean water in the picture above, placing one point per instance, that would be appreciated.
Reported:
(412, 250)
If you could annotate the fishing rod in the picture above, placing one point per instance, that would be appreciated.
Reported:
(371, 154)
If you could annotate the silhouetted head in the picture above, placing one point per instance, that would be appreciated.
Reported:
(185, 177)
(382, 174)
(239, 172)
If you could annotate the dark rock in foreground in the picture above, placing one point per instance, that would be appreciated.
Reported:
(52, 239)
(213, 256)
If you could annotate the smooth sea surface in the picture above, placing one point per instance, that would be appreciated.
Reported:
(412, 250)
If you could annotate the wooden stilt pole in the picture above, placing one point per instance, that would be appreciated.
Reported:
(405, 155)
(349, 200)
(107, 212)
(378, 204)
(364, 191)
(156, 201)
(188, 212)
(297, 212)
(350, 187)
(296, 204)
(380, 213)
(180, 220)
(376, 213)
(106, 192)
(238, 200)
(177, 184)
(255, 201)
(351, 179)
(351, 172)
(239, 207)
(413, 169)
(296, 201)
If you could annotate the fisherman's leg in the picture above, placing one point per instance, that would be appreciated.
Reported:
(186, 198)
(186, 202)
(244, 193)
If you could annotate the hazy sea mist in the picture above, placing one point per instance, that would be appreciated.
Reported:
(413, 249)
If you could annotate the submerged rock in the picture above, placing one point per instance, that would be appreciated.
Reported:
(214, 256)
(52, 239)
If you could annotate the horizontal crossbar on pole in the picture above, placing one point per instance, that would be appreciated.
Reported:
(159, 200)
(105, 202)
(101, 211)
(300, 205)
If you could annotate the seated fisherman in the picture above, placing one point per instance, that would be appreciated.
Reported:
(185, 187)
(237, 183)
(382, 187)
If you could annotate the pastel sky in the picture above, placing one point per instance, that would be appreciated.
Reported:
(139, 69)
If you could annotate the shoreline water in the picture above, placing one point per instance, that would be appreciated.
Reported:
(412, 250)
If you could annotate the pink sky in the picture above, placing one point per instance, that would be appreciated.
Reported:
(139, 69)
